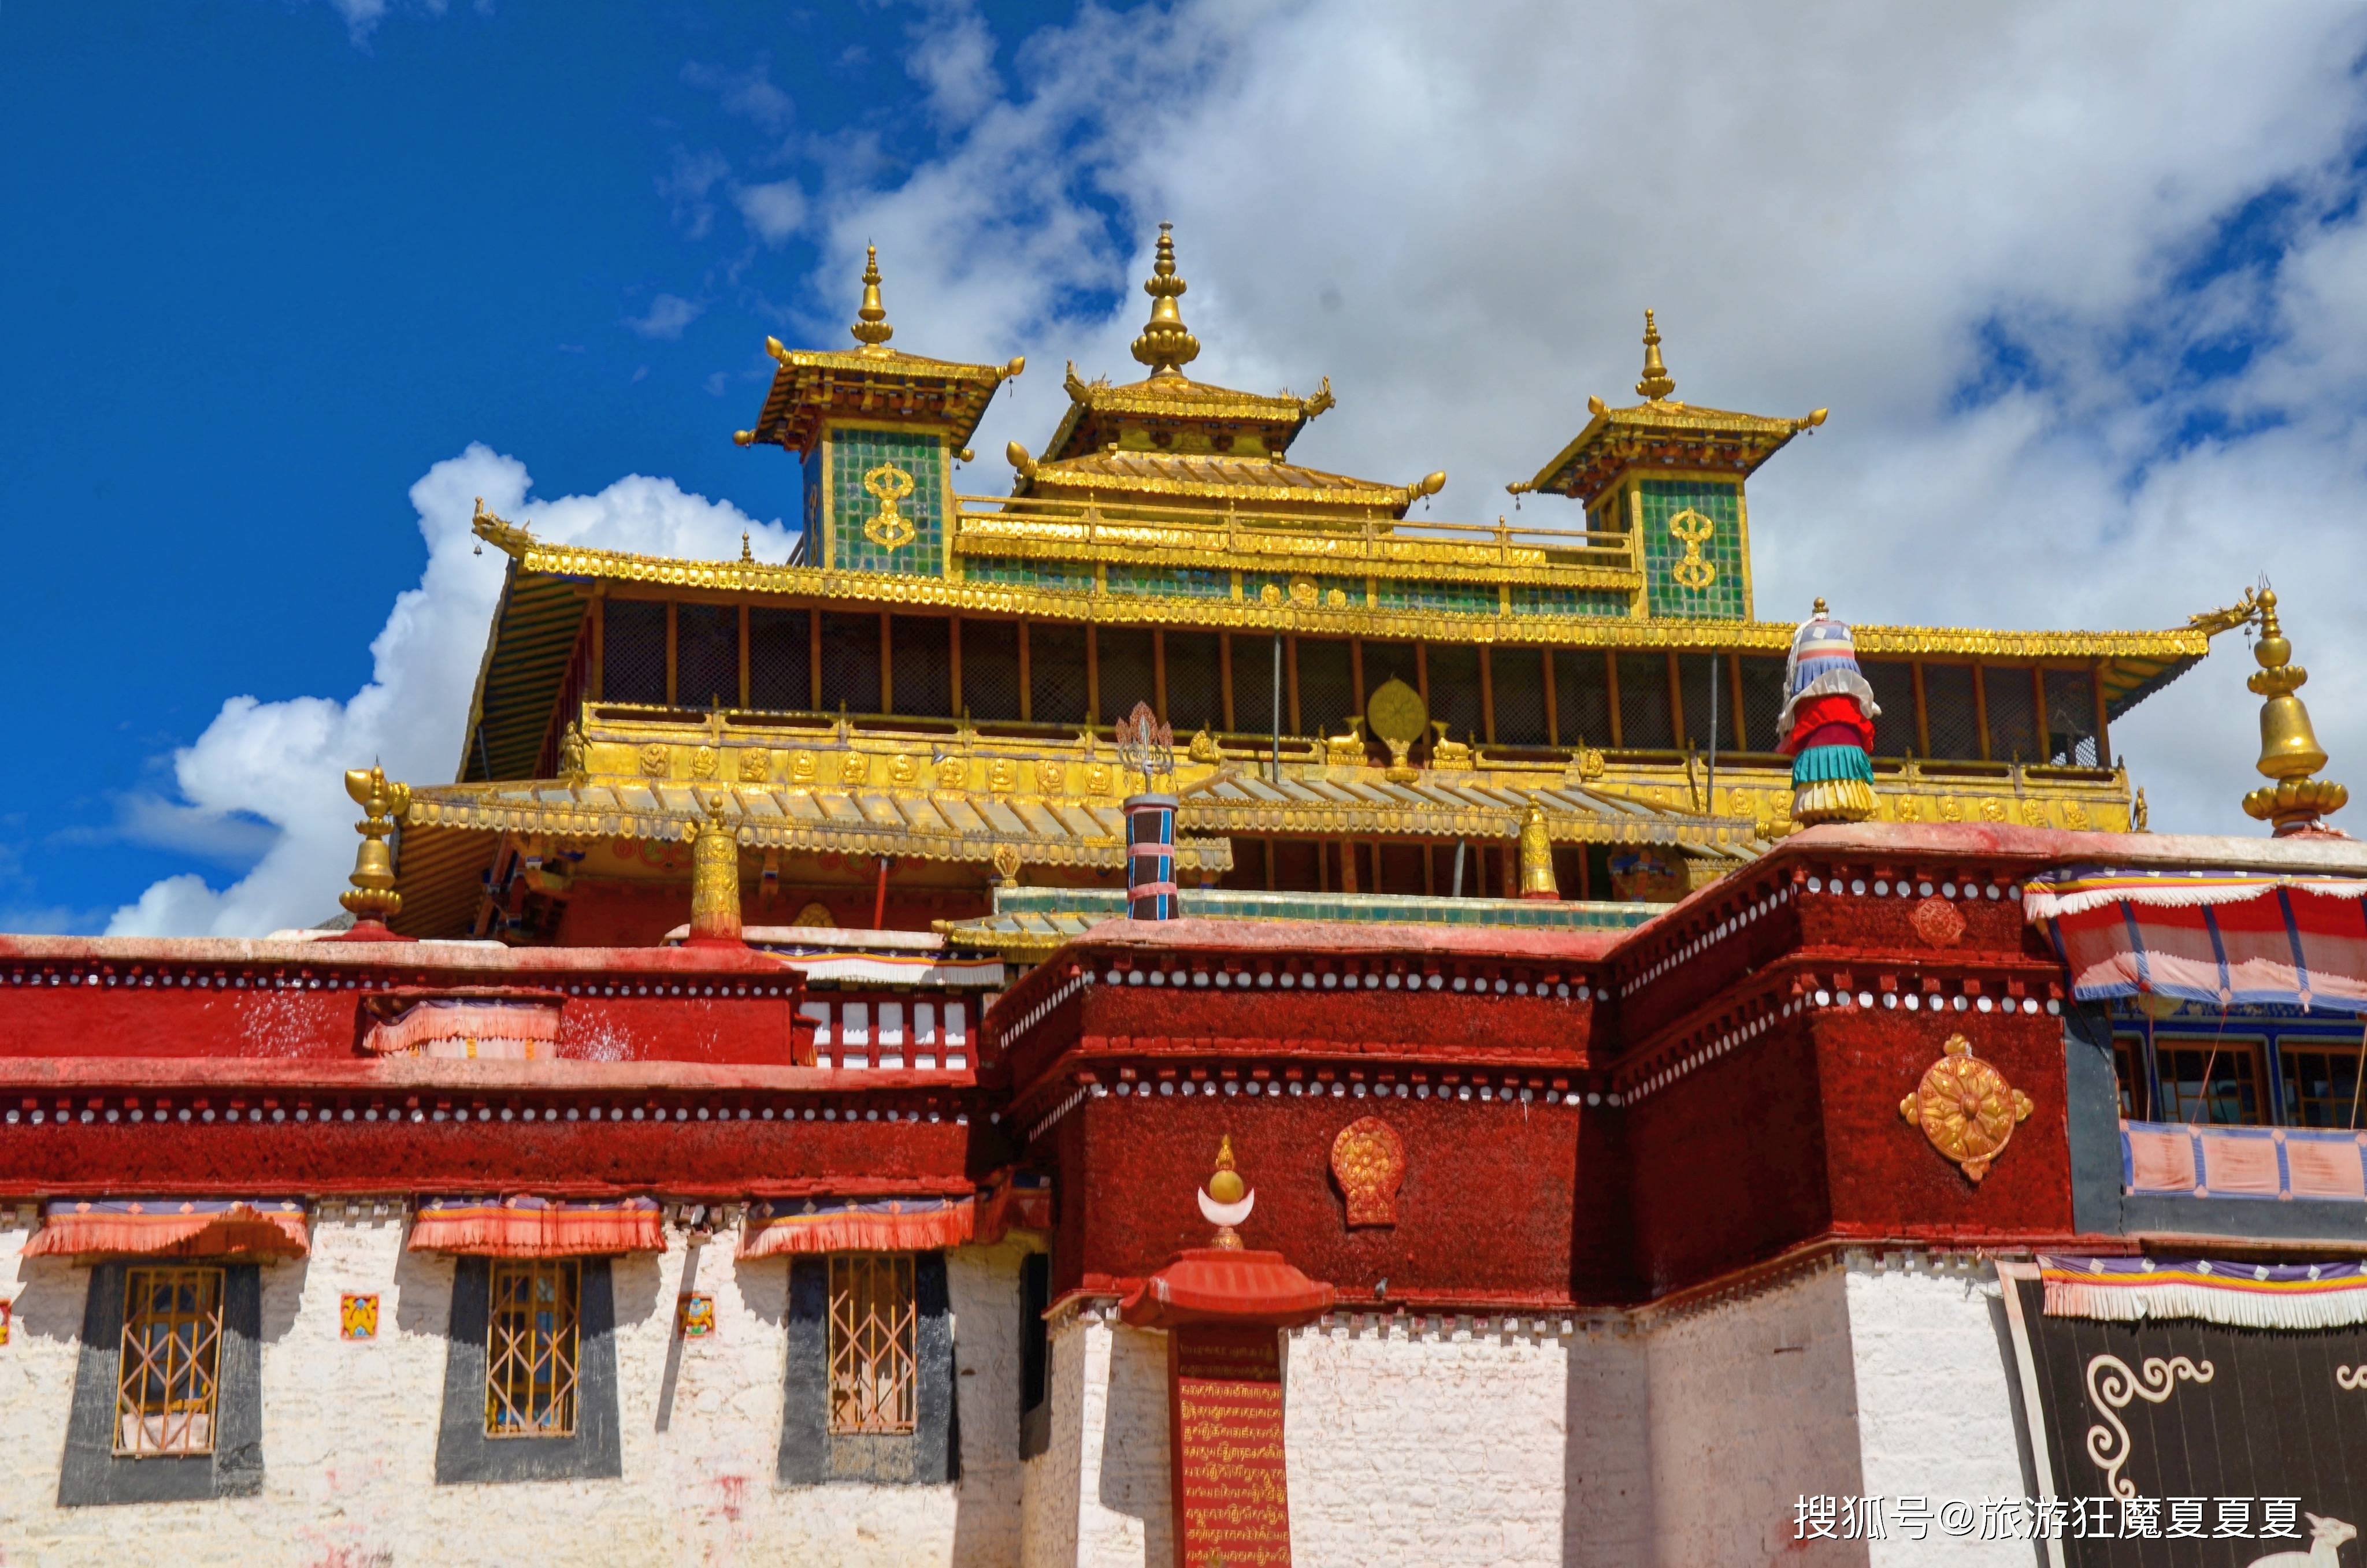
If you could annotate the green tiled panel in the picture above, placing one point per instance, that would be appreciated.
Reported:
(1067, 576)
(1586, 603)
(1456, 598)
(1253, 584)
(855, 453)
(1170, 582)
(1718, 549)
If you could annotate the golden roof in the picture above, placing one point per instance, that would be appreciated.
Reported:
(873, 383)
(1111, 476)
(1661, 431)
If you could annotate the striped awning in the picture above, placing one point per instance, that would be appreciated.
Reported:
(522, 1225)
(783, 1227)
(172, 1227)
(2216, 938)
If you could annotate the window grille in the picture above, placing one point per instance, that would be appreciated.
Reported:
(2013, 714)
(1249, 865)
(531, 1347)
(2234, 1095)
(1894, 694)
(1297, 866)
(1763, 703)
(780, 660)
(1195, 693)
(850, 663)
(1254, 685)
(2322, 1087)
(167, 1375)
(633, 651)
(1954, 723)
(1581, 697)
(1327, 688)
(1385, 661)
(873, 1320)
(990, 669)
(1056, 674)
(1695, 671)
(707, 656)
(1518, 674)
(1455, 691)
(1644, 717)
(1127, 671)
(921, 649)
(2071, 719)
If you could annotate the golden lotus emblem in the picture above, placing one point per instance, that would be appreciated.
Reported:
(1966, 1107)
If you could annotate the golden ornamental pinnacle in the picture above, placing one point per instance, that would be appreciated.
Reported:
(871, 329)
(1537, 856)
(1226, 1186)
(373, 900)
(1164, 344)
(2289, 747)
(1656, 383)
(715, 880)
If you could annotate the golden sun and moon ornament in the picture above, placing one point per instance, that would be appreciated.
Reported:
(1966, 1107)
(1227, 1200)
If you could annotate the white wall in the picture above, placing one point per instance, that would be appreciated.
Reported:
(1753, 1402)
(1934, 1405)
(1100, 1496)
(349, 1430)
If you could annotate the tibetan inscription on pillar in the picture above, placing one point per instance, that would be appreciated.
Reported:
(1225, 1388)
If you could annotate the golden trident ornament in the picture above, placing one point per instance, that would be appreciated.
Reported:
(1694, 529)
(889, 528)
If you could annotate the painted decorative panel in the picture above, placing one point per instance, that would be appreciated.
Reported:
(1302, 589)
(1694, 562)
(1587, 603)
(1067, 576)
(1456, 598)
(1169, 582)
(886, 500)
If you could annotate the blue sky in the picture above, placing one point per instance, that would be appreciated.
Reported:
(292, 282)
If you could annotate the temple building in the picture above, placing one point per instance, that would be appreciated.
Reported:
(1192, 1014)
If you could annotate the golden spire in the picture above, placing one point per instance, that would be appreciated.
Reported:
(1164, 344)
(2289, 747)
(871, 329)
(1656, 383)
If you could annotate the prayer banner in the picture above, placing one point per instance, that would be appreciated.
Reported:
(1225, 1413)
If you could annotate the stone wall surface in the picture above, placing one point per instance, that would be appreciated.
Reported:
(349, 1430)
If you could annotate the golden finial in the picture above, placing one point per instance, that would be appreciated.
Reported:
(1537, 856)
(871, 329)
(373, 900)
(1656, 384)
(1821, 610)
(1227, 1200)
(2289, 747)
(745, 554)
(1164, 344)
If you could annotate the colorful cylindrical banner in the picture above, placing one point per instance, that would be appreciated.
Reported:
(1150, 857)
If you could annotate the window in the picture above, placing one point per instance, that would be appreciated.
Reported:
(2128, 1066)
(1253, 683)
(707, 656)
(2071, 719)
(531, 1348)
(1697, 674)
(1056, 674)
(1645, 722)
(1950, 713)
(1196, 686)
(780, 660)
(2321, 1086)
(850, 663)
(920, 665)
(1455, 696)
(989, 689)
(168, 1372)
(633, 651)
(2014, 714)
(873, 1318)
(1894, 694)
(1127, 671)
(1516, 677)
(1327, 693)
(1034, 1355)
(2233, 1097)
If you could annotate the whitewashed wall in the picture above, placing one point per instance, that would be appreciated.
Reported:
(1753, 1402)
(349, 1430)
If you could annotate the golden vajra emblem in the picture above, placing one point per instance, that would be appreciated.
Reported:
(1966, 1107)
(889, 528)
(1695, 530)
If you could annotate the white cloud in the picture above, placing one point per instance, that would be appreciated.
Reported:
(665, 318)
(281, 763)
(775, 211)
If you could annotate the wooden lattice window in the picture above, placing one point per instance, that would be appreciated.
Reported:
(873, 1318)
(169, 1374)
(530, 1348)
